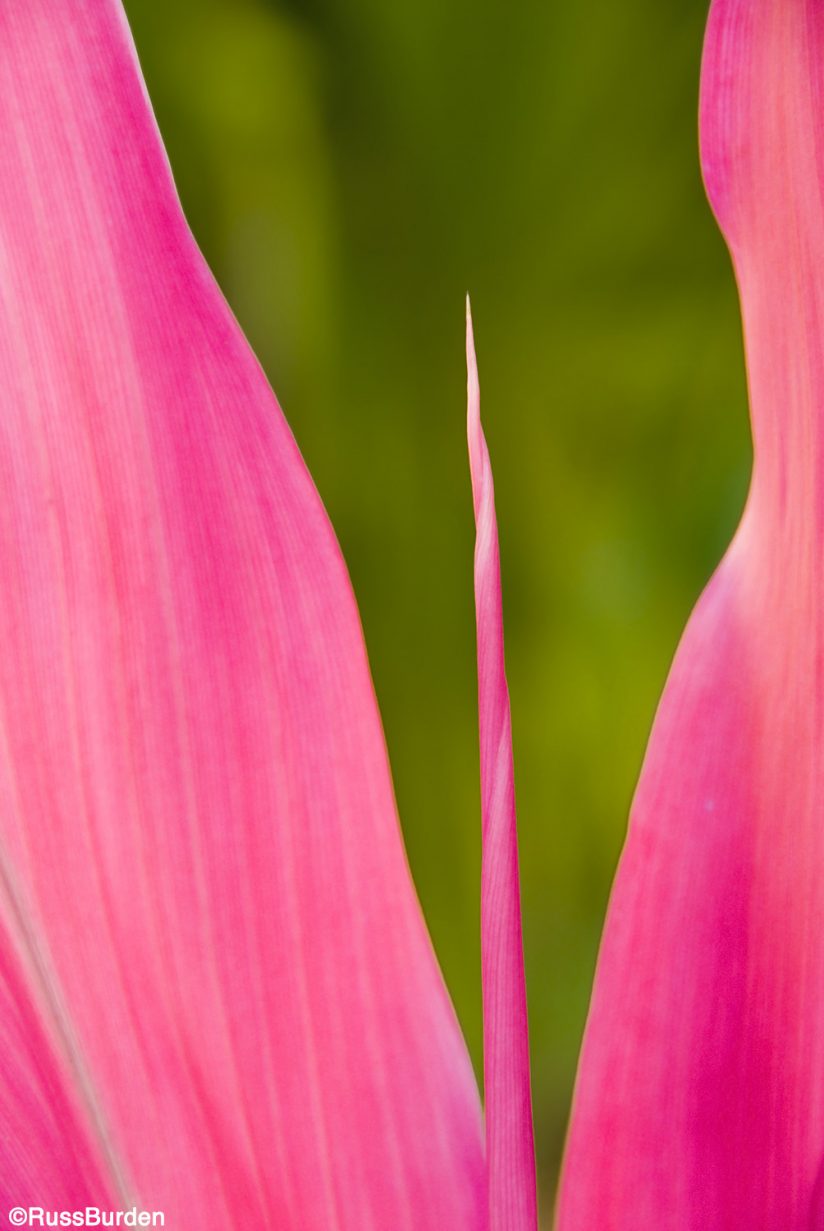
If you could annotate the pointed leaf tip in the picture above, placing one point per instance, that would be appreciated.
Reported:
(509, 1132)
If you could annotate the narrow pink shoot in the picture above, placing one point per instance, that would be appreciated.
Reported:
(509, 1135)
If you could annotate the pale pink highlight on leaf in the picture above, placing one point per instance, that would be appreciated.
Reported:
(51, 1137)
(700, 1094)
(194, 791)
(507, 1097)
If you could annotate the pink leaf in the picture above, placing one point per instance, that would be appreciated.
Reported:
(700, 1100)
(194, 791)
(510, 1148)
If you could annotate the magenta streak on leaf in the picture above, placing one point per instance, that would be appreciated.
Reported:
(700, 1093)
(195, 801)
(508, 1102)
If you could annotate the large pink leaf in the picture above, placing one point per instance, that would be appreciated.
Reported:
(196, 803)
(507, 1097)
(700, 1096)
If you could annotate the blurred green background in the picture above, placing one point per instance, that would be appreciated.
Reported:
(351, 168)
